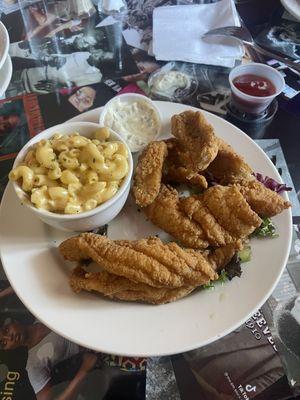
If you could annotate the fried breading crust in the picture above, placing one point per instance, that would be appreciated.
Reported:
(183, 175)
(231, 210)
(120, 288)
(197, 138)
(187, 262)
(196, 210)
(165, 213)
(148, 173)
(146, 261)
(167, 253)
(223, 214)
(265, 202)
(175, 171)
(228, 166)
(221, 256)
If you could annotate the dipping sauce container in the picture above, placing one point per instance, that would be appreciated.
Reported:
(249, 103)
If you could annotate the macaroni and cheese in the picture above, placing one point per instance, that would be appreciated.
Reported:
(71, 174)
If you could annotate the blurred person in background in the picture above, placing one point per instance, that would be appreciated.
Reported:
(8, 123)
(45, 350)
(83, 98)
(54, 361)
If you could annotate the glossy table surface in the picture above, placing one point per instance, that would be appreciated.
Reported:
(52, 40)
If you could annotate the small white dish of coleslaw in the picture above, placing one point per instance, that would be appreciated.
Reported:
(134, 117)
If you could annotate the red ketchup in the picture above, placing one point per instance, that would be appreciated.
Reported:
(254, 85)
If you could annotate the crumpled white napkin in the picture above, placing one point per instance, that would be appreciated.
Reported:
(178, 30)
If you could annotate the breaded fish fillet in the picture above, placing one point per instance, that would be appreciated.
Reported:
(231, 210)
(223, 214)
(221, 256)
(165, 213)
(146, 261)
(228, 166)
(118, 287)
(196, 210)
(265, 202)
(197, 138)
(175, 170)
(170, 253)
(183, 175)
(148, 173)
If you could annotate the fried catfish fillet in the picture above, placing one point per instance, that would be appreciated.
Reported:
(175, 171)
(265, 202)
(197, 139)
(196, 210)
(165, 213)
(228, 166)
(148, 173)
(120, 288)
(146, 261)
(231, 210)
(223, 214)
(168, 252)
(221, 256)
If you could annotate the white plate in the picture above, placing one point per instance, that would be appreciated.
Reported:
(40, 277)
(5, 75)
(293, 7)
(4, 44)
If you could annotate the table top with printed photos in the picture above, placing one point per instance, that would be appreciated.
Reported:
(68, 57)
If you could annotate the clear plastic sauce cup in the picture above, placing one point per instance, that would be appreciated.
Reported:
(254, 104)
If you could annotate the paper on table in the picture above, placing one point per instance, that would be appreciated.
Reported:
(133, 37)
(107, 22)
(178, 30)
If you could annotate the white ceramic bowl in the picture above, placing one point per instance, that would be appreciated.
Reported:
(5, 75)
(128, 98)
(86, 220)
(4, 44)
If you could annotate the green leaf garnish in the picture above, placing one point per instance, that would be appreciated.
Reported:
(222, 279)
(266, 229)
(222, 276)
(209, 285)
(245, 254)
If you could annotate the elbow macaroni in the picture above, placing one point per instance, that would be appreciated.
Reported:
(25, 174)
(71, 174)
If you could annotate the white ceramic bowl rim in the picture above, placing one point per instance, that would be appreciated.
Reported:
(6, 44)
(243, 67)
(5, 70)
(95, 210)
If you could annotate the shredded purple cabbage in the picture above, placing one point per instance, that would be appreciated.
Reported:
(270, 183)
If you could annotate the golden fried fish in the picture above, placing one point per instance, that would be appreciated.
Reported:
(228, 166)
(146, 261)
(197, 138)
(165, 213)
(148, 173)
(175, 171)
(222, 213)
(120, 288)
(265, 202)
